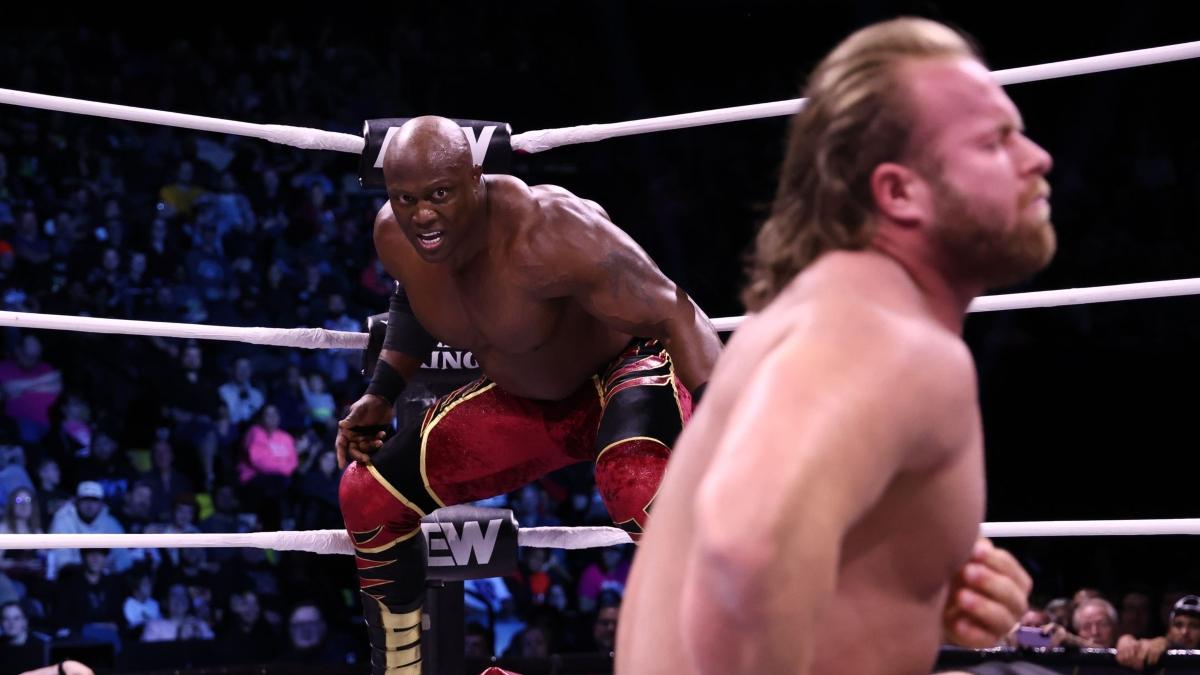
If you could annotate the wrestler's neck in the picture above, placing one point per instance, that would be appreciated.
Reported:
(480, 237)
(946, 297)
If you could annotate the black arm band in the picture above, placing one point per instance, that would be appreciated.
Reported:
(386, 382)
(404, 333)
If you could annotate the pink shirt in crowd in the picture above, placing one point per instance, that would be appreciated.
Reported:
(268, 452)
(30, 393)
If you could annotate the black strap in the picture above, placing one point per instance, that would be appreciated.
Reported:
(386, 382)
(404, 333)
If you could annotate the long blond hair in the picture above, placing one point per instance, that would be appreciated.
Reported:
(857, 117)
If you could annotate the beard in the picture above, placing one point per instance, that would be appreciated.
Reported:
(981, 249)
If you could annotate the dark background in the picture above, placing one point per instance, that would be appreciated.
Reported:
(1088, 411)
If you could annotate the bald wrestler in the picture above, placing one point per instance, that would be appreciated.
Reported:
(827, 497)
(589, 354)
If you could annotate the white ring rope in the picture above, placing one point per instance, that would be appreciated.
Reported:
(545, 139)
(320, 338)
(301, 137)
(305, 338)
(312, 541)
(537, 141)
(338, 542)
(298, 136)
(1057, 298)
(1092, 528)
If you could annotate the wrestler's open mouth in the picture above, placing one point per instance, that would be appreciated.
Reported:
(430, 240)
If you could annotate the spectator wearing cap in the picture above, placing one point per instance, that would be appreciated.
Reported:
(86, 514)
(1183, 632)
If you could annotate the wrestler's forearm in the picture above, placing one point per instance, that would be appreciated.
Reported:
(737, 618)
(754, 592)
(694, 346)
(404, 364)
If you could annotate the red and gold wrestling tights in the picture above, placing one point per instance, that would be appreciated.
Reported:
(480, 441)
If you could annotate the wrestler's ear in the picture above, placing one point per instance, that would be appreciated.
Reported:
(901, 194)
(476, 174)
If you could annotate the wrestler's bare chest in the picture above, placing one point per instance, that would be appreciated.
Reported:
(487, 313)
(536, 348)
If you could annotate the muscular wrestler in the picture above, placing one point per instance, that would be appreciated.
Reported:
(588, 354)
(823, 500)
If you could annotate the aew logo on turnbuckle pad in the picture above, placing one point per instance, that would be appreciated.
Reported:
(470, 542)
(447, 546)
(490, 146)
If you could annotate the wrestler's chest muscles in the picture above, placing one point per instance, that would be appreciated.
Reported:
(489, 314)
(922, 529)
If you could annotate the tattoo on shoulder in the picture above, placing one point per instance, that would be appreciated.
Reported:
(624, 275)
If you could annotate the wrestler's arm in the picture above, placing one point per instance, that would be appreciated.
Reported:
(406, 344)
(580, 253)
(811, 447)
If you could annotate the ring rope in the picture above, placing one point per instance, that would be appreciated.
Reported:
(312, 541)
(304, 338)
(545, 139)
(1146, 290)
(537, 141)
(338, 542)
(300, 137)
(320, 338)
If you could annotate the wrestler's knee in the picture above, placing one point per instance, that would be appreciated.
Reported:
(367, 502)
(628, 474)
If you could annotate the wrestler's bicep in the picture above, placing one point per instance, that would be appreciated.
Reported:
(812, 434)
(627, 291)
(575, 251)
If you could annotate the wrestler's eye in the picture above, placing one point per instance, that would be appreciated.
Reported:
(993, 141)
(406, 199)
(441, 193)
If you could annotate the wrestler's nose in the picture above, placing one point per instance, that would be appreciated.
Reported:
(424, 217)
(1037, 160)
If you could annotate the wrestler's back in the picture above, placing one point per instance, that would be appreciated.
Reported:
(531, 347)
(895, 562)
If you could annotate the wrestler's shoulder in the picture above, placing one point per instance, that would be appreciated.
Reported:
(552, 204)
(869, 333)
(384, 215)
(547, 215)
